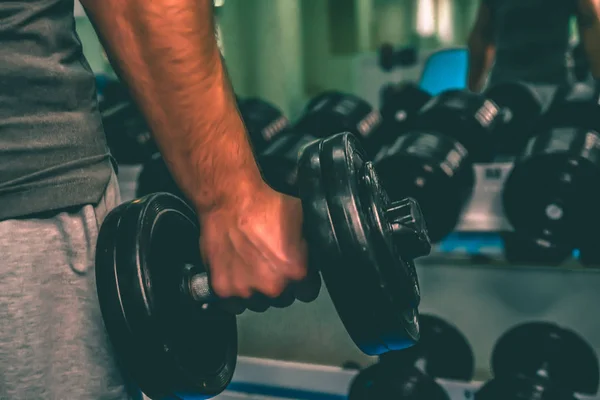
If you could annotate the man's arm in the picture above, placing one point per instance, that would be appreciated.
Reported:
(588, 24)
(481, 48)
(167, 53)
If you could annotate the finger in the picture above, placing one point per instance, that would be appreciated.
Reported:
(285, 299)
(233, 305)
(297, 269)
(264, 275)
(258, 303)
(308, 289)
(268, 282)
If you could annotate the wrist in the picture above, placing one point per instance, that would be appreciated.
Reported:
(231, 191)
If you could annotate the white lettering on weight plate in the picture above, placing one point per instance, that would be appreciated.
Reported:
(274, 127)
(487, 113)
(369, 123)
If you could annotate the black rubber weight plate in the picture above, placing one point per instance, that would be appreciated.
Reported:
(353, 276)
(323, 244)
(525, 348)
(169, 345)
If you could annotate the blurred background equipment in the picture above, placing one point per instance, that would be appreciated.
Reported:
(442, 352)
(451, 132)
(521, 108)
(551, 195)
(541, 360)
(127, 134)
(390, 57)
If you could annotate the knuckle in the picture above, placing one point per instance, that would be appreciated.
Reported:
(242, 289)
(297, 272)
(221, 286)
(272, 288)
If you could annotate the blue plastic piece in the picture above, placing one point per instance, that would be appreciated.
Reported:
(445, 69)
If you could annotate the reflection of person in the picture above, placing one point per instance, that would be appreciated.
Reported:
(57, 182)
(528, 40)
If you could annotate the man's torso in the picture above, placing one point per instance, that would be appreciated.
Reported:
(52, 147)
(531, 39)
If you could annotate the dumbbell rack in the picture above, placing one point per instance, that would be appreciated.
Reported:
(264, 379)
(484, 212)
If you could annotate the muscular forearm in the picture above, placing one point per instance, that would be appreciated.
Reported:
(588, 22)
(480, 60)
(167, 54)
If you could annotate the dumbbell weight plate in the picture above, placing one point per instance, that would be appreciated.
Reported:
(525, 250)
(155, 177)
(521, 108)
(332, 112)
(279, 162)
(442, 348)
(400, 104)
(551, 193)
(575, 106)
(467, 117)
(169, 345)
(522, 388)
(373, 289)
(383, 383)
(263, 121)
(569, 360)
(434, 169)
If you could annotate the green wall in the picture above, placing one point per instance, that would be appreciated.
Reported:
(287, 51)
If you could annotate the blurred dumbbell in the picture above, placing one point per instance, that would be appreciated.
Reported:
(541, 361)
(442, 352)
(520, 249)
(264, 123)
(327, 114)
(433, 161)
(390, 58)
(551, 195)
(333, 111)
(400, 104)
(521, 109)
(127, 134)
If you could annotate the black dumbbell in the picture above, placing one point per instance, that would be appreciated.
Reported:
(400, 103)
(443, 350)
(127, 134)
(433, 161)
(541, 361)
(263, 120)
(325, 115)
(163, 317)
(390, 57)
(521, 110)
(551, 194)
(520, 249)
(379, 382)
(264, 123)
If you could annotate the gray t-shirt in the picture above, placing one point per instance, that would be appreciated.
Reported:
(52, 146)
(532, 40)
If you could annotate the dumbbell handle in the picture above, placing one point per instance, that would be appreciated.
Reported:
(200, 289)
(197, 286)
(405, 220)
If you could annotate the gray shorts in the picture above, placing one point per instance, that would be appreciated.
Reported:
(52, 340)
